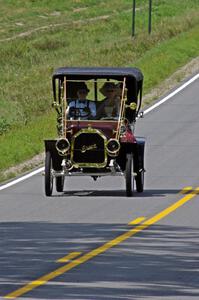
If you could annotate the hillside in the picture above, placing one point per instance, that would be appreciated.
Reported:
(38, 36)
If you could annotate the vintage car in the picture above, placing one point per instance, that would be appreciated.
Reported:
(96, 139)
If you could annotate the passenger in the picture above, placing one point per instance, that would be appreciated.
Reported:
(119, 89)
(81, 107)
(110, 104)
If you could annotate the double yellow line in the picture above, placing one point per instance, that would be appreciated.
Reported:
(88, 256)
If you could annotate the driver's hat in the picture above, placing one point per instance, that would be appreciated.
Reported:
(82, 86)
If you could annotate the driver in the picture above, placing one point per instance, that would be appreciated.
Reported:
(82, 107)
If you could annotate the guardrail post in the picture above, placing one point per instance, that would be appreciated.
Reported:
(133, 19)
(150, 9)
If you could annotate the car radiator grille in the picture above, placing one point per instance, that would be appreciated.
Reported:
(88, 150)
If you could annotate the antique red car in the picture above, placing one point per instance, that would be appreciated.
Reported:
(97, 110)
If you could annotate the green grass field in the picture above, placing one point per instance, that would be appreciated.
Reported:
(38, 36)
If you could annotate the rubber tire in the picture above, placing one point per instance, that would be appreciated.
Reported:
(139, 179)
(128, 175)
(48, 175)
(60, 184)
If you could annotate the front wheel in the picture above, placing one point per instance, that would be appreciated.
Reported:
(48, 174)
(139, 179)
(129, 176)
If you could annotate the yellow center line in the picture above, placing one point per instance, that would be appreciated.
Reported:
(82, 259)
(137, 221)
(186, 189)
(68, 257)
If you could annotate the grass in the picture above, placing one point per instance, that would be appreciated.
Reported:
(162, 61)
(83, 33)
(26, 141)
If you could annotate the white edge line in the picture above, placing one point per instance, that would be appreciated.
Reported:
(145, 112)
(21, 178)
(172, 94)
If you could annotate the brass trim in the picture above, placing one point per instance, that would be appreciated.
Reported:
(64, 107)
(122, 109)
(91, 122)
(132, 106)
(88, 148)
(89, 165)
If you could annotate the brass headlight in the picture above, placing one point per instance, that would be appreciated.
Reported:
(113, 146)
(62, 146)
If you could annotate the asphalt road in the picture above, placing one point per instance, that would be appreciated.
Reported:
(112, 259)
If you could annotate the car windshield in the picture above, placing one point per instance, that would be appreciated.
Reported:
(93, 99)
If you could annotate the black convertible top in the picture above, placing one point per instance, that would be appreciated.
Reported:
(134, 81)
(98, 72)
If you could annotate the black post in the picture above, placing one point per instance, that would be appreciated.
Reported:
(150, 9)
(133, 19)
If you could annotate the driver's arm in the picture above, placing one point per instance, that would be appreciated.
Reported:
(71, 105)
(92, 107)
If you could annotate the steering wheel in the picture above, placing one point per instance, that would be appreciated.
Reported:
(77, 112)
